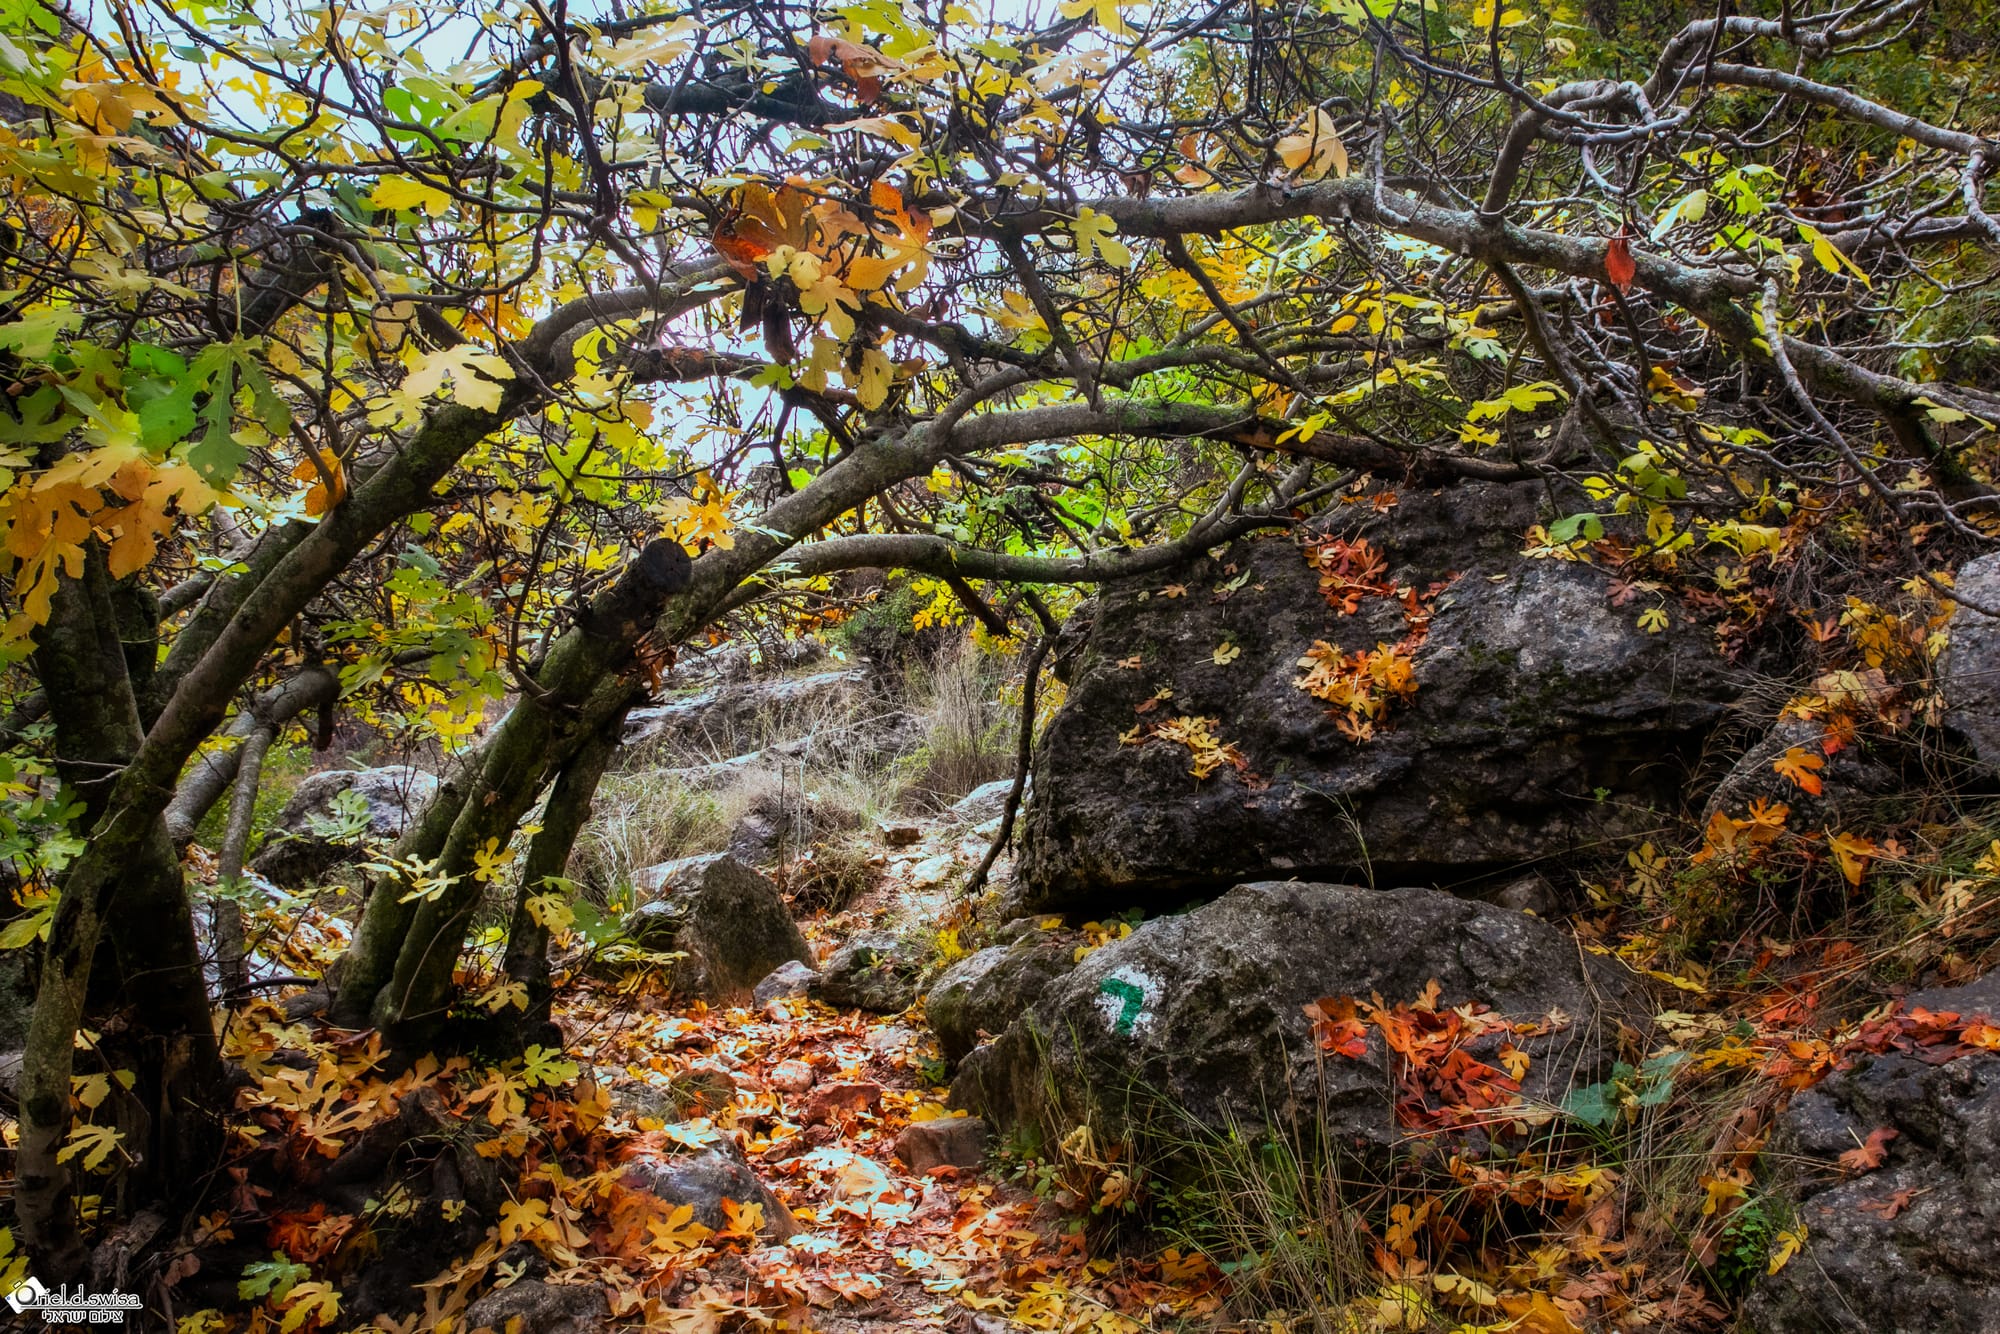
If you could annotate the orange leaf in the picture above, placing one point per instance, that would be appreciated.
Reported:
(1872, 1151)
(1801, 768)
(1888, 1209)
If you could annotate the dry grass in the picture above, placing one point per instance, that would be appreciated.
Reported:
(965, 738)
(832, 764)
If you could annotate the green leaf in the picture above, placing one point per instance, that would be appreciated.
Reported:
(1586, 526)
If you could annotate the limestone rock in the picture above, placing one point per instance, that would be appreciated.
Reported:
(794, 977)
(1204, 1011)
(875, 971)
(703, 1180)
(986, 802)
(1854, 782)
(313, 834)
(731, 923)
(1969, 669)
(1929, 1269)
(986, 991)
(725, 714)
(1534, 693)
(947, 1141)
(540, 1308)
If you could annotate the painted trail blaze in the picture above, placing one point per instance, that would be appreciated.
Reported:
(1130, 996)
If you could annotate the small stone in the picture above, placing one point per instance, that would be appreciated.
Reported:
(793, 1076)
(901, 835)
(790, 978)
(833, 1100)
(704, 1180)
(947, 1141)
(875, 971)
(884, 1040)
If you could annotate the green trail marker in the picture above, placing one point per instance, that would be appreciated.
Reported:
(1133, 998)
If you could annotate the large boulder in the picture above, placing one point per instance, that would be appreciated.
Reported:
(1909, 1247)
(334, 815)
(1543, 718)
(980, 995)
(1969, 668)
(731, 923)
(1203, 1014)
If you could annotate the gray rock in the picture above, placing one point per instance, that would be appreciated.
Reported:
(1969, 668)
(730, 922)
(875, 971)
(734, 710)
(793, 977)
(1535, 694)
(704, 1179)
(1204, 1013)
(541, 1308)
(1930, 1268)
(1530, 893)
(948, 1141)
(988, 991)
(986, 802)
(680, 873)
(300, 850)
(1854, 781)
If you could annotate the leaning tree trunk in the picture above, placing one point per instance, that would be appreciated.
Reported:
(527, 959)
(581, 684)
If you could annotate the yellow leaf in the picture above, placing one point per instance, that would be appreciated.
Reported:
(319, 1302)
(1313, 148)
(1103, 12)
(1226, 653)
(522, 1218)
(95, 1143)
(1720, 1190)
(1788, 1242)
(1830, 256)
(1853, 853)
(402, 193)
(677, 1232)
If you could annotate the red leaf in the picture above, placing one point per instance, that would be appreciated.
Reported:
(1618, 262)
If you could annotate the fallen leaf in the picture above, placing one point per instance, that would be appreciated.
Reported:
(1872, 1151)
(1887, 1209)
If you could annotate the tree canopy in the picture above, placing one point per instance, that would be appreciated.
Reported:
(419, 360)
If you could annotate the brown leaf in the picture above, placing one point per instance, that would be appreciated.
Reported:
(1898, 1201)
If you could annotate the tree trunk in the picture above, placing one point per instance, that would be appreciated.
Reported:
(580, 688)
(158, 1023)
(527, 959)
